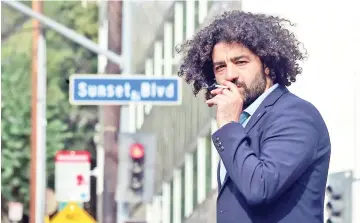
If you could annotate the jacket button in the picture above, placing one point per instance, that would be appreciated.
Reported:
(217, 139)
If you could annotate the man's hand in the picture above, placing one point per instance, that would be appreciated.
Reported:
(229, 104)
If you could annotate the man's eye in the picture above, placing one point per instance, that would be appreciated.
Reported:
(241, 62)
(219, 67)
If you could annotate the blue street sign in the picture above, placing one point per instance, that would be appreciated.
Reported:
(96, 89)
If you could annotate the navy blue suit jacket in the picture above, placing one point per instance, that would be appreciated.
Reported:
(276, 166)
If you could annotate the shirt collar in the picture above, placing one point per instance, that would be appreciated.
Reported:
(252, 108)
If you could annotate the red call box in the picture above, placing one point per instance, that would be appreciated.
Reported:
(137, 151)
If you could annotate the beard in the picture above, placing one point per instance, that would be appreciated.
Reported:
(256, 88)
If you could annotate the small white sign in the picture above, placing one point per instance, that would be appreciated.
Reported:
(72, 176)
(15, 211)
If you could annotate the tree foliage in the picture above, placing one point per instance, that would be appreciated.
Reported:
(68, 127)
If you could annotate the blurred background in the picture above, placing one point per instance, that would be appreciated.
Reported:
(142, 162)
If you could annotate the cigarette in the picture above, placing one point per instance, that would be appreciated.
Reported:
(221, 86)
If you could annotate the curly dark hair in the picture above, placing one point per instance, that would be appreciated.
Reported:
(266, 36)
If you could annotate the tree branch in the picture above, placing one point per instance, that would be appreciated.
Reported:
(18, 24)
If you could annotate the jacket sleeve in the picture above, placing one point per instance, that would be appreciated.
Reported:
(288, 148)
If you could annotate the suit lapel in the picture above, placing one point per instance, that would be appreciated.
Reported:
(258, 114)
(261, 110)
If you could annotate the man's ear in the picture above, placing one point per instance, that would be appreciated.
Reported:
(267, 71)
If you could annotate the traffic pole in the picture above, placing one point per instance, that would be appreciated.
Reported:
(127, 122)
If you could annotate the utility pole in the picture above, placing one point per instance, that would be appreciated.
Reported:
(111, 118)
(38, 121)
(103, 33)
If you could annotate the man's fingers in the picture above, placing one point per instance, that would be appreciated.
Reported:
(211, 102)
(216, 91)
(223, 91)
(227, 92)
(216, 100)
(232, 87)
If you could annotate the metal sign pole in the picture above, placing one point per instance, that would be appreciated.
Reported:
(41, 132)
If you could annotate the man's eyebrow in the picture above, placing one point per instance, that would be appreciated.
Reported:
(232, 59)
(218, 63)
(240, 57)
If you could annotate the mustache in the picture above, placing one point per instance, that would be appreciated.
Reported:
(239, 84)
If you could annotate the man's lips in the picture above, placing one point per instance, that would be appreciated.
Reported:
(240, 85)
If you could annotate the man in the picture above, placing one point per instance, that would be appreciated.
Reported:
(274, 146)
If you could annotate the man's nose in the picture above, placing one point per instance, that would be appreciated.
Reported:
(231, 73)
